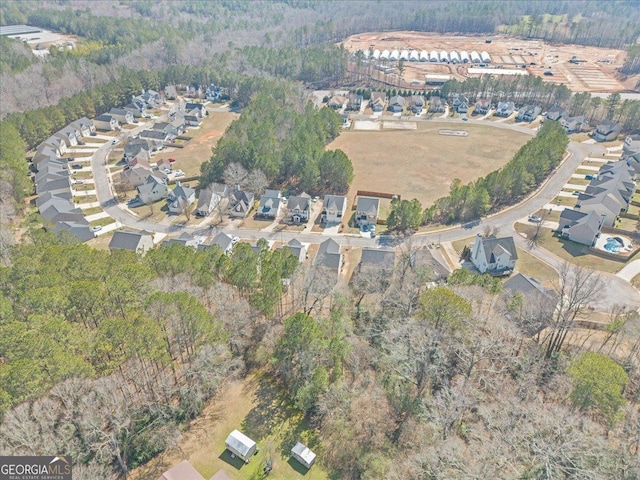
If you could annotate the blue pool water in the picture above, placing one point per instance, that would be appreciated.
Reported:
(613, 245)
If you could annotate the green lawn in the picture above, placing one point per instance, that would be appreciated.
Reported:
(530, 265)
(91, 211)
(102, 222)
(571, 251)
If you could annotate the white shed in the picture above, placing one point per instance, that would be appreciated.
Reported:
(385, 55)
(433, 56)
(444, 56)
(376, 54)
(414, 56)
(395, 55)
(485, 57)
(464, 56)
(475, 58)
(453, 55)
(404, 55)
(303, 454)
(241, 445)
(424, 56)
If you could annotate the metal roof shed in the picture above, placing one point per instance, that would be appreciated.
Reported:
(303, 454)
(241, 445)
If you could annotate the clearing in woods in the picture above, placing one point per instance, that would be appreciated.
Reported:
(258, 408)
(422, 163)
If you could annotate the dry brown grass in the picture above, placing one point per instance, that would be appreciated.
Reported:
(198, 150)
(421, 163)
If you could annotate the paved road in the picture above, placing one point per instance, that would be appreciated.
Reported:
(617, 289)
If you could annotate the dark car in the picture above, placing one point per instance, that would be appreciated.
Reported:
(93, 134)
(76, 166)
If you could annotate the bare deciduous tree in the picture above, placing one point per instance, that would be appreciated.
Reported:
(234, 174)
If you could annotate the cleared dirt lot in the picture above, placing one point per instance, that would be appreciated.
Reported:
(422, 163)
(596, 71)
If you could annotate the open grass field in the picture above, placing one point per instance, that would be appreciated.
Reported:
(258, 408)
(198, 149)
(421, 163)
(527, 264)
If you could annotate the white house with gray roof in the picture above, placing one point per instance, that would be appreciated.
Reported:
(299, 209)
(213, 196)
(333, 208)
(270, 204)
(297, 249)
(123, 115)
(579, 226)
(106, 122)
(152, 190)
(180, 198)
(135, 241)
(496, 256)
(329, 255)
(367, 211)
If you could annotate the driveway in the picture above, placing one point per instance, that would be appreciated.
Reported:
(629, 271)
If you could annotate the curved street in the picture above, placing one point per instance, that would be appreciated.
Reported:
(617, 289)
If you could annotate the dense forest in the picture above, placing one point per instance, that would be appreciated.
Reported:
(108, 354)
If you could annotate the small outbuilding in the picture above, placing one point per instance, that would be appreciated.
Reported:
(241, 445)
(303, 454)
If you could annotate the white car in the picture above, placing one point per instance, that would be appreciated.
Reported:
(535, 219)
(234, 240)
(179, 173)
(114, 141)
(97, 228)
(78, 182)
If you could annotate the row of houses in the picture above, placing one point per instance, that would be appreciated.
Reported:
(434, 56)
(53, 181)
(607, 195)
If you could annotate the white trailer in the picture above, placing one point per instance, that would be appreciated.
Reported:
(241, 445)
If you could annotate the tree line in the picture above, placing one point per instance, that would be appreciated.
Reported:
(284, 135)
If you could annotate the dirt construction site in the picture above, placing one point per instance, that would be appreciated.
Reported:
(580, 68)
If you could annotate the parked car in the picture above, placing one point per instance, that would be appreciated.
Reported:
(179, 173)
(535, 219)
(234, 240)
(93, 134)
(76, 166)
(171, 160)
(97, 228)
(114, 141)
(78, 182)
(590, 176)
(575, 192)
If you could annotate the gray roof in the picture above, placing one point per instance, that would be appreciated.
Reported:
(383, 258)
(329, 255)
(334, 202)
(300, 203)
(105, 117)
(127, 239)
(183, 471)
(368, 205)
(58, 210)
(78, 228)
(569, 217)
(223, 240)
(526, 285)
(119, 111)
(181, 192)
(240, 442)
(155, 134)
(48, 196)
(489, 247)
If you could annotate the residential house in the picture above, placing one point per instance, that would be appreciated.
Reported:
(416, 104)
(240, 203)
(60, 210)
(436, 105)
(631, 144)
(123, 115)
(496, 256)
(574, 124)
(179, 123)
(579, 226)
(151, 98)
(396, 104)
(529, 288)
(297, 249)
(85, 126)
(329, 255)
(157, 136)
(152, 190)
(528, 113)
(134, 147)
(377, 259)
(180, 198)
(47, 197)
(70, 135)
(270, 204)
(53, 184)
(606, 131)
(333, 208)
(196, 107)
(171, 92)
(377, 101)
(505, 109)
(192, 119)
(556, 113)
(223, 241)
(367, 211)
(460, 103)
(45, 152)
(430, 261)
(183, 471)
(354, 101)
(299, 209)
(603, 202)
(106, 122)
(57, 144)
(184, 239)
(137, 108)
(213, 196)
(167, 128)
(482, 107)
(336, 102)
(137, 175)
(134, 241)
(213, 93)
(78, 228)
